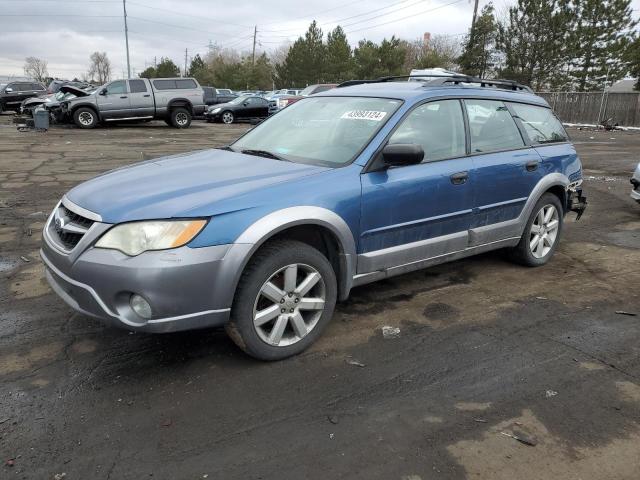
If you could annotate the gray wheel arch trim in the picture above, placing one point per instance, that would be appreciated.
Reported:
(548, 181)
(269, 225)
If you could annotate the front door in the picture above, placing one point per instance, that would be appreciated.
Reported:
(113, 100)
(422, 211)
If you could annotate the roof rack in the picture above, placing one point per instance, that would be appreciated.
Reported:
(440, 80)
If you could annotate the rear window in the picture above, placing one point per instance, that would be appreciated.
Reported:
(492, 127)
(164, 84)
(137, 86)
(541, 125)
(186, 83)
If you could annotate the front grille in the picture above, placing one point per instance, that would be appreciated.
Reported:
(67, 228)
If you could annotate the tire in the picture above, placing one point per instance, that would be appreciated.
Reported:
(85, 117)
(1, 108)
(180, 118)
(535, 255)
(286, 328)
(227, 117)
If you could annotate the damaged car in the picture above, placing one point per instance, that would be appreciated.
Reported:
(51, 102)
(354, 185)
(635, 181)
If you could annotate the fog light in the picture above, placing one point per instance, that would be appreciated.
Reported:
(140, 306)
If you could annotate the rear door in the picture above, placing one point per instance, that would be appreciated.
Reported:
(113, 100)
(416, 212)
(506, 168)
(141, 99)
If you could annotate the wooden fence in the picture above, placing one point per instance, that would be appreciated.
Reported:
(594, 107)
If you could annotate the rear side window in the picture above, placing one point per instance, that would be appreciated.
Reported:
(186, 83)
(438, 127)
(137, 86)
(164, 84)
(541, 125)
(37, 86)
(492, 127)
(22, 87)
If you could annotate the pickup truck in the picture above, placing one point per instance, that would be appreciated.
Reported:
(174, 100)
(214, 96)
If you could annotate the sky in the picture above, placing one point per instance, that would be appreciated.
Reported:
(66, 32)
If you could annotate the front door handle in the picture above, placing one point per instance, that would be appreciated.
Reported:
(459, 178)
(124, 96)
(532, 165)
(147, 95)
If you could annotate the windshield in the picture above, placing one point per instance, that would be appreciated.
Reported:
(327, 131)
(307, 91)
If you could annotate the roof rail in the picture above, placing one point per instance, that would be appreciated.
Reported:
(440, 80)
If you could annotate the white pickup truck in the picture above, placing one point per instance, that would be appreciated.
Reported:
(174, 100)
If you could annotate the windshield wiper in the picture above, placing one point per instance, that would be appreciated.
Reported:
(263, 153)
(226, 147)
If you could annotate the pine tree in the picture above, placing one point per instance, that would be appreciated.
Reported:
(479, 55)
(602, 33)
(304, 64)
(166, 68)
(533, 42)
(338, 60)
(632, 59)
(373, 61)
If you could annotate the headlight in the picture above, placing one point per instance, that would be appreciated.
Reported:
(215, 110)
(137, 237)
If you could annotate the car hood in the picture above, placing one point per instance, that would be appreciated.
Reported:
(186, 185)
(225, 105)
(78, 92)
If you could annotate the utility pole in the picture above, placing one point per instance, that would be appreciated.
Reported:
(185, 63)
(126, 36)
(253, 55)
(475, 15)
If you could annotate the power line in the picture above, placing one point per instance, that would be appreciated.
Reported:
(198, 17)
(404, 18)
(180, 26)
(311, 15)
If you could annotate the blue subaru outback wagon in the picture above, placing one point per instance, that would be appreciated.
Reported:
(356, 184)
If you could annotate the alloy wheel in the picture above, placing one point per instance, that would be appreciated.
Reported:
(227, 117)
(544, 231)
(289, 305)
(85, 118)
(182, 119)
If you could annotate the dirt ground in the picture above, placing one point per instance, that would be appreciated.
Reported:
(486, 348)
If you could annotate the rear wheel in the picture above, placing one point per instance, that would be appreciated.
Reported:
(227, 117)
(85, 117)
(180, 117)
(285, 298)
(542, 233)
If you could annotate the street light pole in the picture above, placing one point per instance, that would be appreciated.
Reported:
(126, 36)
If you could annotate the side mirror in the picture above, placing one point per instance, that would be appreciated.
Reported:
(400, 154)
(8, 90)
(245, 103)
(103, 91)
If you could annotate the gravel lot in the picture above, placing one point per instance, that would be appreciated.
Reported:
(485, 348)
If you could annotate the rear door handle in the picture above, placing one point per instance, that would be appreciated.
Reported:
(147, 95)
(459, 178)
(532, 165)
(124, 96)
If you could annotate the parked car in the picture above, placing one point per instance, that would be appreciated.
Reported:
(286, 100)
(213, 96)
(340, 189)
(175, 100)
(635, 181)
(241, 108)
(51, 102)
(12, 94)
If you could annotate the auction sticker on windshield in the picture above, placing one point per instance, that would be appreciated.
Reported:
(364, 115)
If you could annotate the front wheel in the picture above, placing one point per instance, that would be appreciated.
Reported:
(85, 117)
(542, 232)
(180, 118)
(285, 298)
(227, 117)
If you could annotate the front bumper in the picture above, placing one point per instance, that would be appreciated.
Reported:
(187, 288)
(212, 116)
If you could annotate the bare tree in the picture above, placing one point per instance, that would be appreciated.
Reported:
(100, 67)
(36, 68)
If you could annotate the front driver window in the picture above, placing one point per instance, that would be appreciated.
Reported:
(438, 127)
(117, 87)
